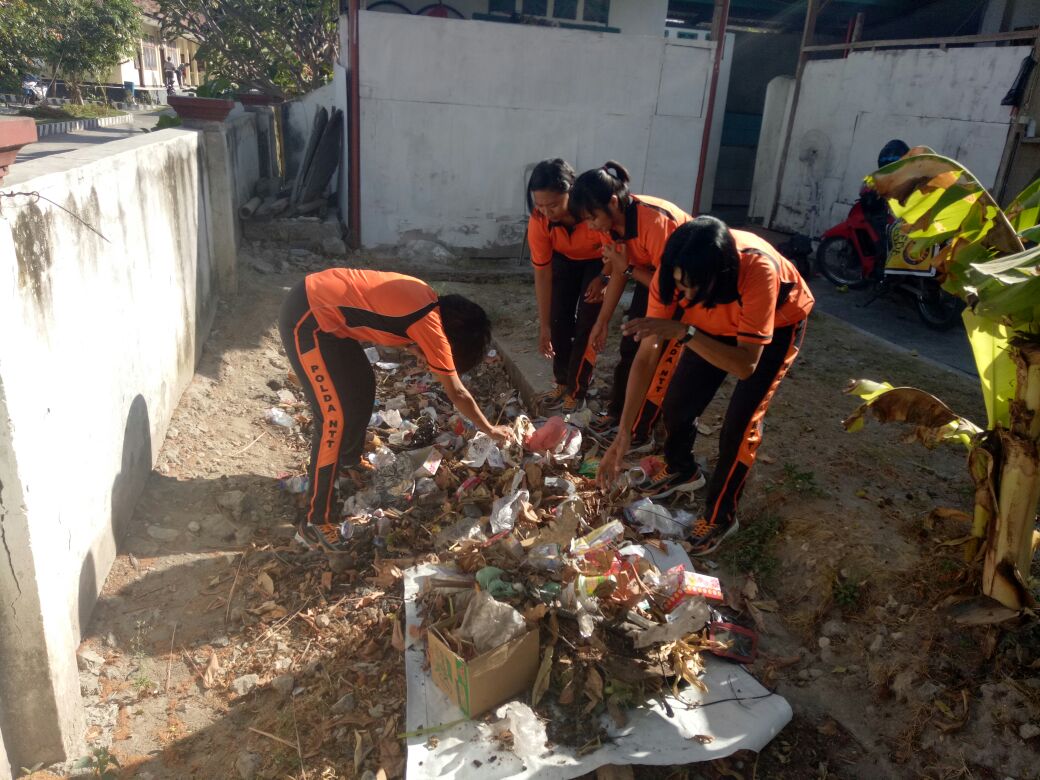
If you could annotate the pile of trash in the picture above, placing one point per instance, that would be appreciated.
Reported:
(594, 590)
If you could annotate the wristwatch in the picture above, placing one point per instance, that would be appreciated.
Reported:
(690, 331)
(629, 271)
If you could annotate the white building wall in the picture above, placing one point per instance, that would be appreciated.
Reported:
(455, 113)
(775, 113)
(639, 17)
(849, 108)
(101, 335)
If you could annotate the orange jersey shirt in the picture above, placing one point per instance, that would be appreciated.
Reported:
(649, 222)
(574, 243)
(381, 307)
(770, 294)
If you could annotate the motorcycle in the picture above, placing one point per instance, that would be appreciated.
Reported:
(34, 90)
(861, 251)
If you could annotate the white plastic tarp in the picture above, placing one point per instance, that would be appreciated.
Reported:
(737, 713)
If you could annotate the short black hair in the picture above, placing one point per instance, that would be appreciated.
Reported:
(593, 189)
(468, 329)
(555, 175)
(706, 253)
(891, 152)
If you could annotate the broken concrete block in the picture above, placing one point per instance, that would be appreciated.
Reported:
(218, 526)
(244, 684)
(233, 501)
(283, 684)
(89, 661)
(161, 534)
(334, 246)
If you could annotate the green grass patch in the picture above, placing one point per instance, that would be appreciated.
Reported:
(849, 593)
(797, 481)
(68, 111)
(750, 549)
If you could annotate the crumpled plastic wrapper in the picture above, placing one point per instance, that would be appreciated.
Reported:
(483, 451)
(505, 511)
(489, 624)
(690, 616)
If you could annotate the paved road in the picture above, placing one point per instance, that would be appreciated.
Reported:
(67, 142)
(894, 318)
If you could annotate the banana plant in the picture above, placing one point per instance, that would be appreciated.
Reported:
(988, 257)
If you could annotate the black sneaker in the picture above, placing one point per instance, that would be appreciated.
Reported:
(671, 482)
(322, 536)
(706, 537)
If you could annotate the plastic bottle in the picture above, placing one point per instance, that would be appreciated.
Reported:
(279, 417)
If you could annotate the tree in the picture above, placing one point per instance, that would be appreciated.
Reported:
(23, 32)
(990, 258)
(280, 48)
(87, 37)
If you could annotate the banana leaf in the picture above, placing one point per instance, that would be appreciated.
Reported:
(944, 208)
(989, 345)
(934, 421)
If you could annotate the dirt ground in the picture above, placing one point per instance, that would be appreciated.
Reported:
(194, 667)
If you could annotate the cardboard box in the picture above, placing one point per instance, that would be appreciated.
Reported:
(488, 680)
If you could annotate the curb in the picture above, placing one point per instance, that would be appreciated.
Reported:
(45, 129)
(516, 376)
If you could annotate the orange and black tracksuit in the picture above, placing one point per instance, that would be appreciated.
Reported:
(568, 251)
(770, 309)
(649, 222)
(322, 321)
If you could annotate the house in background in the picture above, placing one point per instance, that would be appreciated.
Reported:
(145, 68)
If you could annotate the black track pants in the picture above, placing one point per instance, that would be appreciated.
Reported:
(571, 321)
(693, 385)
(340, 386)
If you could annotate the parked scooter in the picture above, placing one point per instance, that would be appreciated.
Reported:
(868, 248)
(34, 90)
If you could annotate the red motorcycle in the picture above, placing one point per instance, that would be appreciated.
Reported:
(869, 248)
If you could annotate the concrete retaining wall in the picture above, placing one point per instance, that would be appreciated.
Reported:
(849, 108)
(454, 114)
(101, 335)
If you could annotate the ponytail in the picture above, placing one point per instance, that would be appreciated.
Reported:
(593, 189)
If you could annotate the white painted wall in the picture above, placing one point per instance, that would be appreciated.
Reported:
(775, 114)
(454, 114)
(100, 339)
(849, 108)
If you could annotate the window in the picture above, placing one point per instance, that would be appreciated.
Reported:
(151, 61)
(597, 11)
(565, 9)
(501, 6)
(536, 7)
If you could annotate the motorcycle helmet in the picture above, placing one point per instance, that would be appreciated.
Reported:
(891, 152)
